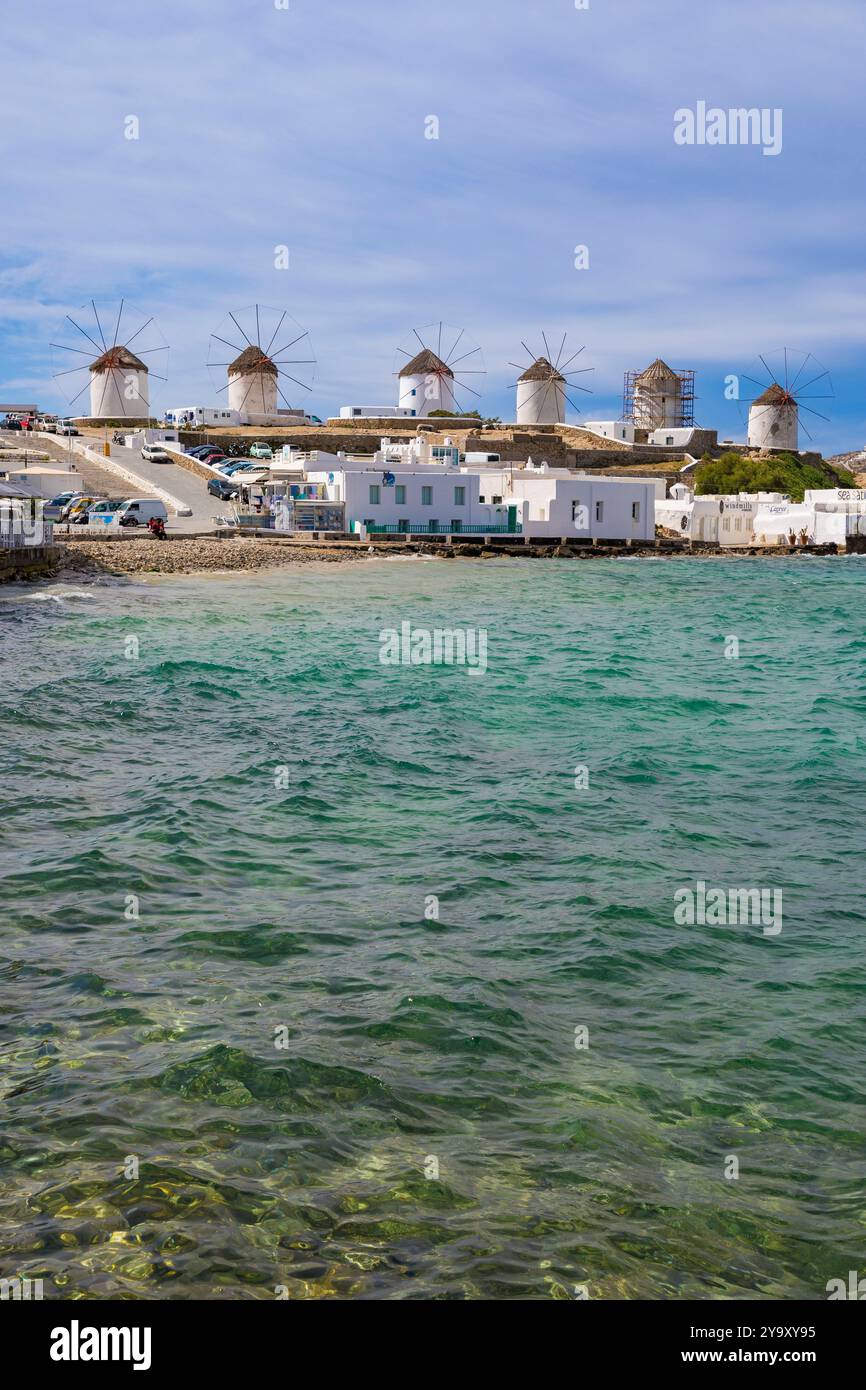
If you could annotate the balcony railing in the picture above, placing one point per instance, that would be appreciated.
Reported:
(426, 528)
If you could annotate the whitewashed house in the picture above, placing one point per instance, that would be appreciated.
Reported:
(430, 499)
(555, 502)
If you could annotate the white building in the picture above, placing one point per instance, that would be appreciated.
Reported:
(672, 437)
(725, 520)
(825, 516)
(773, 420)
(541, 395)
(427, 383)
(624, 430)
(377, 412)
(555, 502)
(416, 498)
(21, 519)
(119, 386)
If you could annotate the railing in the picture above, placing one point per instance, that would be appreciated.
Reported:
(424, 528)
(14, 539)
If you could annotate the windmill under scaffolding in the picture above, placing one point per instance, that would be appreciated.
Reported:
(659, 398)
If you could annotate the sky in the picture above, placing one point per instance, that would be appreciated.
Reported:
(306, 127)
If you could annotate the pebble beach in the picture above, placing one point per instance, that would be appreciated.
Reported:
(192, 554)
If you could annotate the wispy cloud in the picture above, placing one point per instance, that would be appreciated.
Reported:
(261, 127)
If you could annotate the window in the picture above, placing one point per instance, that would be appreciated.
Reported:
(356, 410)
(456, 526)
(426, 497)
(413, 392)
(374, 493)
(635, 511)
(481, 499)
(400, 494)
(496, 499)
(460, 497)
(433, 526)
(403, 523)
(599, 511)
(368, 522)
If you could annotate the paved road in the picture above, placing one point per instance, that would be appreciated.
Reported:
(187, 487)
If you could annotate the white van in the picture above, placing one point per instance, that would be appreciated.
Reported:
(138, 511)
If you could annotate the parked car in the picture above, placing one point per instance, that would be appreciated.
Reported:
(78, 504)
(52, 509)
(260, 451)
(154, 453)
(47, 426)
(138, 511)
(212, 457)
(224, 491)
(63, 427)
(230, 466)
(204, 449)
(12, 425)
(80, 516)
(102, 512)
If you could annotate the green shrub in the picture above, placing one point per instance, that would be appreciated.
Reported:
(782, 473)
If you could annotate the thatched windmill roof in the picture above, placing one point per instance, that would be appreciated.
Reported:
(252, 359)
(656, 373)
(118, 357)
(424, 362)
(775, 395)
(542, 370)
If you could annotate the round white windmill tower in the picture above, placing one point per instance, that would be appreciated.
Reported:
(258, 338)
(431, 378)
(116, 380)
(773, 420)
(119, 386)
(658, 397)
(252, 383)
(783, 383)
(541, 395)
(542, 389)
(427, 383)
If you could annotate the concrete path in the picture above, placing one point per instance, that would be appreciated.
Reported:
(186, 487)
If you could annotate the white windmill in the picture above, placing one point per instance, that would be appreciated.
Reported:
(433, 373)
(543, 387)
(258, 349)
(119, 376)
(785, 380)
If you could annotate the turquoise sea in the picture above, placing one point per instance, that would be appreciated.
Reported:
(241, 1055)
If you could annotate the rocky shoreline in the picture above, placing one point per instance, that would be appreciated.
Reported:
(203, 554)
(191, 555)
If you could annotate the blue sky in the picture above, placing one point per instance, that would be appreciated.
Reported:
(305, 127)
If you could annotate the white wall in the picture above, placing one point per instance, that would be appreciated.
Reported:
(540, 402)
(374, 412)
(121, 393)
(611, 429)
(673, 437)
(352, 486)
(252, 393)
(585, 506)
(773, 427)
(425, 392)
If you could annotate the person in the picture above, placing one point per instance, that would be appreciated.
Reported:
(156, 526)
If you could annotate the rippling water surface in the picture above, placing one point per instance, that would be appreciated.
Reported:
(236, 1053)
